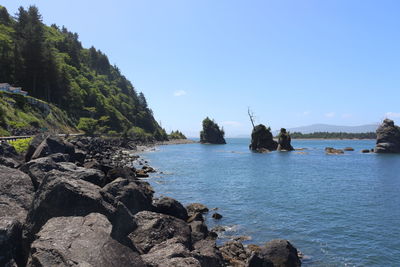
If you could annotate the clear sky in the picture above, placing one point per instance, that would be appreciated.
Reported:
(293, 62)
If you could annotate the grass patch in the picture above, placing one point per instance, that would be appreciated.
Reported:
(21, 145)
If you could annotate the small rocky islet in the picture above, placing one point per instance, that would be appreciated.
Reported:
(79, 202)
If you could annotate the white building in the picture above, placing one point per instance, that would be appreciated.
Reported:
(5, 87)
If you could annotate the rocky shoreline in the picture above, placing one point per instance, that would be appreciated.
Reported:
(79, 202)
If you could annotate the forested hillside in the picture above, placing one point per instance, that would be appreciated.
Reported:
(50, 63)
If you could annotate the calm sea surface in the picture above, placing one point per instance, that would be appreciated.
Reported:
(339, 210)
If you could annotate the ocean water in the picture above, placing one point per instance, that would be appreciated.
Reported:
(338, 210)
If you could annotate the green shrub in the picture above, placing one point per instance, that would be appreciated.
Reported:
(88, 125)
(21, 145)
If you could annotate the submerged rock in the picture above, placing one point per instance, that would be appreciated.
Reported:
(284, 140)
(333, 151)
(388, 138)
(262, 139)
(348, 149)
(211, 133)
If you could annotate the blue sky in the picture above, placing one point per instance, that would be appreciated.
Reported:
(293, 63)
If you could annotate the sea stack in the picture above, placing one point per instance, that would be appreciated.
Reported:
(262, 139)
(211, 133)
(284, 141)
(388, 138)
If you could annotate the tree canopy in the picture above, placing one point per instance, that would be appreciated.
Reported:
(50, 63)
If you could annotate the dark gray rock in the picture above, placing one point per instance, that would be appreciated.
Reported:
(199, 231)
(387, 138)
(120, 172)
(35, 142)
(52, 145)
(207, 253)
(284, 141)
(257, 260)
(168, 253)
(9, 162)
(16, 193)
(7, 150)
(280, 252)
(234, 253)
(10, 241)
(155, 228)
(135, 196)
(171, 207)
(80, 241)
(62, 194)
(38, 168)
(333, 151)
(217, 216)
(262, 139)
(196, 208)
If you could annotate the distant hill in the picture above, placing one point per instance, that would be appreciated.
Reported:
(333, 128)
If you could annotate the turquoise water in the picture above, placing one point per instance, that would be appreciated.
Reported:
(339, 210)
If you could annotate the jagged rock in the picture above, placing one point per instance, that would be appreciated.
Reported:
(16, 193)
(196, 208)
(7, 150)
(161, 254)
(79, 156)
(217, 216)
(333, 151)
(94, 164)
(33, 145)
(388, 138)
(196, 217)
(279, 252)
(262, 139)
(284, 141)
(123, 172)
(80, 241)
(51, 145)
(38, 168)
(234, 253)
(136, 197)
(62, 194)
(211, 133)
(171, 207)
(141, 174)
(154, 228)
(9, 162)
(199, 231)
(207, 253)
(10, 241)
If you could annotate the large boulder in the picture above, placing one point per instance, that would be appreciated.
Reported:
(211, 133)
(284, 141)
(207, 253)
(262, 139)
(168, 253)
(234, 253)
(16, 193)
(52, 145)
(135, 196)
(80, 241)
(279, 252)
(171, 207)
(33, 145)
(10, 241)
(38, 168)
(62, 194)
(7, 150)
(155, 228)
(388, 138)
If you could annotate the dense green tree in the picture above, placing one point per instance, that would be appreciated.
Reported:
(211, 132)
(51, 64)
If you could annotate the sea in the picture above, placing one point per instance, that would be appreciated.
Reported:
(338, 210)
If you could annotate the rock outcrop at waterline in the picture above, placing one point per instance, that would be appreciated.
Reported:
(284, 141)
(388, 138)
(262, 139)
(211, 133)
(54, 212)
